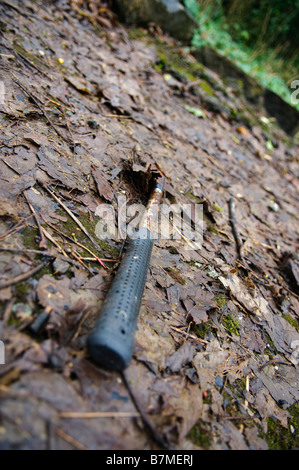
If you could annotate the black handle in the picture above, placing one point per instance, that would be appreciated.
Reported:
(111, 342)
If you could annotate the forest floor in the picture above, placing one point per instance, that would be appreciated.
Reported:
(86, 106)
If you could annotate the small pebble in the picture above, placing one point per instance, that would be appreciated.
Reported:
(218, 381)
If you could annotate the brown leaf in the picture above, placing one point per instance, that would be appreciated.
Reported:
(103, 186)
(79, 84)
(181, 357)
(198, 315)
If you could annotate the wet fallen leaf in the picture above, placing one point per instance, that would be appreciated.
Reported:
(181, 357)
(104, 188)
(79, 84)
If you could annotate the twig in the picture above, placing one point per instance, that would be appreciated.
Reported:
(22, 277)
(215, 163)
(85, 314)
(66, 437)
(274, 362)
(237, 418)
(77, 258)
(69, 129)
(99, 414)
(73, 217)
(15, 228)
(10, 166)
(49, 237)
(92, 258)
(199, 340)
(35, 101)
(188, 330)
(119, 116)
(42, 253)
(232, 219)
(159, 440)
(57, 104)
(8, 310)
(24, 58)
(95, 257)
(26, 250)
(43, 242)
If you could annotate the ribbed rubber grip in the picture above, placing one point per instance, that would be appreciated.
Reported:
(111, 343)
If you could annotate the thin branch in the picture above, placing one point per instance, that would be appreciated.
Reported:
(98, 414)
(73, 217)
(95, 257)
(66, 437)
(159, 440)
(43, 242)
(15, 228)
(233, 222)
(35, 101)
(22, 277)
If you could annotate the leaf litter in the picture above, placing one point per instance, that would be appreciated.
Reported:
(217, 342)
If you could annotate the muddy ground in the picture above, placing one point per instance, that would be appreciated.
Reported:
(87, 109)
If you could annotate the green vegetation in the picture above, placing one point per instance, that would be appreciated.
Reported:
(175, 274)
(221, 300)
(71, 229)
(280, 438)
(292, 321)
(231, 325)
(261, 38)
(30, 236)
(203, 329)
(200, 436)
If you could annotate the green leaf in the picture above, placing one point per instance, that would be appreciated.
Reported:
(196, 111)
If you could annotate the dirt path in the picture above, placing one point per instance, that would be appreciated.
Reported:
(216, 355)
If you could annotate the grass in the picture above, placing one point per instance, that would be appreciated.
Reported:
(264, 64)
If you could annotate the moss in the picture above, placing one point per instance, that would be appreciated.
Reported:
(230, 399)
(71, 229)
(21, 290)
(231, 325)
(203, 329)
(212, 229)
(172, 60)
(280, 438)
(291, 320)
(23, 52)
(221, 300)
(218, 208)
(192, 197)
(29, 237)
(175, 274)
(206, 87)
(270, 349)
(194, 264)
(172, 250)
(200, 436)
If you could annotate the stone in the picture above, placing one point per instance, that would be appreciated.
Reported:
(264, 101)
(169, 14)
(286, 115)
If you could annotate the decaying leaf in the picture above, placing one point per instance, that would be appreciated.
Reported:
(181, 357)
(104, 188)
